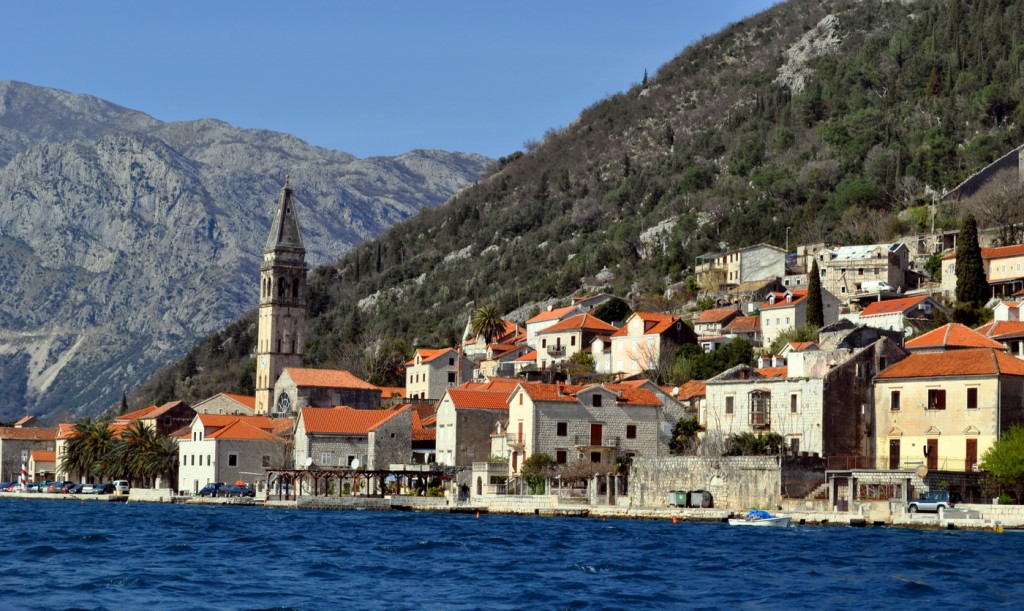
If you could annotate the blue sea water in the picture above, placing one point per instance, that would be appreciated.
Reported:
(63, 555)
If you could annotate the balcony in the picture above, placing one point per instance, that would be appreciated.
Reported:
(556, 350)
(607, 441)
(515, 441)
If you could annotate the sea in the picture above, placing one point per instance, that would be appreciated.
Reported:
(94, 555)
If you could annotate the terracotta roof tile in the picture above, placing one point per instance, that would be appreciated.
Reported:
(219, 420)
(479, 399)
(240, 430)
(801, 346)
(581, 322)
(25, 420)
(1002, 329)
(713, 316)
(998, 252)
(743, 324)
(44, 455)
(953, 335)
(344, 420)
(389, 392)
(691, 390)
(552, 314)
(889, 306)
(780, 299)
(245, 400)
(11, 433)
(529, 356)
(139, 413)
(970, 362)
(567, 394)
(774, 372)
(327, 378)
(654, 324)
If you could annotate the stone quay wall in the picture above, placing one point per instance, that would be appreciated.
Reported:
(737, 482)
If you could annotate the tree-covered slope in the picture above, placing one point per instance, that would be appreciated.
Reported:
(835, 119)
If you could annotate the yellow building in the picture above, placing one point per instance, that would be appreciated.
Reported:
(944, 409)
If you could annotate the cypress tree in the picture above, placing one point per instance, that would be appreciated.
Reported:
(815, 305)
(971, 286)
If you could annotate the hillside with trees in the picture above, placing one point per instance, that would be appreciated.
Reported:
(839, 120)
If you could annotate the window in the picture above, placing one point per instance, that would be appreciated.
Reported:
(543, 343)
(265, 461)
(595, 457)
(561, 457)
(936, 398)
(728, 405)
(451, 362)
(760, 409)
(972, 398)
(232, 460)
(209, 460)
(349, 460)
(194, 461)
(562, 429)
(451, 377)
(597, 400)
(882, 363)
(794, 403)
(794, 445)
(630, 431)
(894, 401)
(572, 340)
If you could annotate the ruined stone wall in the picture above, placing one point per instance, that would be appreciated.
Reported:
(737, 482)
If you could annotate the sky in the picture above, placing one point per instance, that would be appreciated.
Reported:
(368, 78)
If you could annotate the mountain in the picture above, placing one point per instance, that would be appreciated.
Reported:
(124, 239)
(814, 120)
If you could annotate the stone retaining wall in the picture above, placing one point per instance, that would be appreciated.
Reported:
(738, 482)
(157, 495)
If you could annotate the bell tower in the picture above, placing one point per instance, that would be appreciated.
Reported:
(282, 314)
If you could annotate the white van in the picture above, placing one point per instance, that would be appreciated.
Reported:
(121, 486)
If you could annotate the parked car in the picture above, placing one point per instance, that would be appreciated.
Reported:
(121, 486)
(59, 486)
(5, 485)
(81, 489)
(213, 489)
(99, 489)
(66, 487)
(932, 501)
(237, 490)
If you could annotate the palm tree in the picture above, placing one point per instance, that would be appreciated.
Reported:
(162, 460)
(486, 321)
(131, 453)
(88, 448)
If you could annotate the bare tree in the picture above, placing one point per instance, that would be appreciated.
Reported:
(1001, 202)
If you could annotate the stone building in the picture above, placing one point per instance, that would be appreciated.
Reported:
(226, 403)
(340, 436)
(944, 409)
(231, 448)
(784, 311)
(299, 387)
(465, 420)
(1004, 270)
(595, 423)
(559, 342)
(431, 372)
(17, 444)
(821, 402)
(749, 264)
(849, 270)
(645, 340)
(281, 337)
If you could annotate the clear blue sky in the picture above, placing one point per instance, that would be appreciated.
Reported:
(369, 78)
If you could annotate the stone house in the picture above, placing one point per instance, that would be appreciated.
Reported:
(943, 410)
(712, 322)
(749, 264)
(341, 436)
(42, 465)
(906, 313)
(166, 418)
(431, 372)
(819, 402)
(788, 310)
(500, 360)
(227, 403)
(645, 339)
(465, 420)
(17, 444)
(849, 270)
(952, 336)
(299, 387)
(594, 423)
(559, 342)
(1004, 270)
(744, 327)
(231, 448)
(552, 316)
(474, 346)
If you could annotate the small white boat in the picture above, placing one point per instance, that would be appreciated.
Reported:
(757, 517)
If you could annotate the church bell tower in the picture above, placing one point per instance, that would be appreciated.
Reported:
(282, 322)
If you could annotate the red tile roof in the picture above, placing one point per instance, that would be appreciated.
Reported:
(44, 455)
(713, 316)
(245, 400)
(780, 299)
(552, 314)
(889, 306)
(240, 430)
(774, 372)
(25, 420)
(27, 434)
(529, 356)
(567, 394)
(419, 431)
(954, 335)
(970, 362)
(998, 252)
(692, 390)
(388, 392)
(654, 324)
(479, 399)
(581, 322)
(801, 346)
(139, 413)
(219, 420)
(1002, 329)
(327, 378)
(345, 420)
(743, 324)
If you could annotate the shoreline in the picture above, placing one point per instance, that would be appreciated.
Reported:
(525, 508)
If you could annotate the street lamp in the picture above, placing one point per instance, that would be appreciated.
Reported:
(787, 239)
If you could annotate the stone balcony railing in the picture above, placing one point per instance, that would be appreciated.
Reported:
(607, 441)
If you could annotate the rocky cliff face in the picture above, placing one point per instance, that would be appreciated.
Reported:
(123, 239)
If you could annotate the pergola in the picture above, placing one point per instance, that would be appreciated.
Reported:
(290, 483)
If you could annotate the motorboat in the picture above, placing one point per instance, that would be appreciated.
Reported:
(759, 517)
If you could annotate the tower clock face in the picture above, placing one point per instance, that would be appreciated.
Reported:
(263, 362)
(284, 404)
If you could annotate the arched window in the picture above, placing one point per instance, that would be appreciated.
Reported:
(281, 287)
